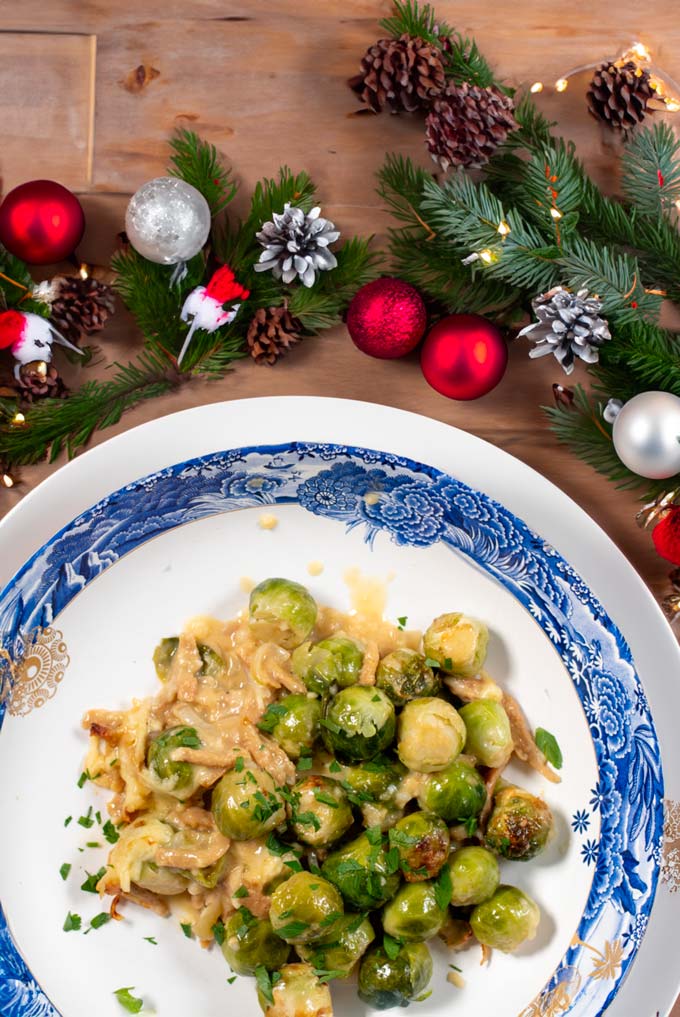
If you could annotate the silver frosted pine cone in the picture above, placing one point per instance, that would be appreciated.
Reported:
(569, 325)
(296, 245)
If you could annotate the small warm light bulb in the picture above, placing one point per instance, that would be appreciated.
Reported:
(486, 257)
(672, 105)
(641, 51)
(561, 85)
(536, 87)
(503, 228)
(555, 213)
(18, 419)
(41, 369)
(657, 86)
(7, 480)
(83, 271)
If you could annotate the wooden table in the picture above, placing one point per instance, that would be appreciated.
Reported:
(91, 91)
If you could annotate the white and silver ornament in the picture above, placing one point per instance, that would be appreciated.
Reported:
(296, 245)
(167, 221)
(569, 325)
(646, 434)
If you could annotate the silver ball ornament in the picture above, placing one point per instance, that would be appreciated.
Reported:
(646, 435)
(167, 220)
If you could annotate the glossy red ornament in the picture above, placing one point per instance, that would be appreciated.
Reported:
(464, 356)
(41, 222)
(386, 318)
(666, 535)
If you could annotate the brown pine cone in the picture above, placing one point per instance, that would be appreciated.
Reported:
(81, 306)
(619, 96)
(272, 331)
(404, 74)
(38, 380)
(467, 124)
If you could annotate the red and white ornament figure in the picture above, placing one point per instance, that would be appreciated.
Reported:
(29, 337)
(205, 305)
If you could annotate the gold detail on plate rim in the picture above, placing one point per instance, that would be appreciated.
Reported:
(558, 1000)
(670, 856)
(29, 682)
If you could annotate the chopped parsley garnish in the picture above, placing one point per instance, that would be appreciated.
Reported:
(72, 923)
(392, 860)
(431, 662)
(391, 946)
(219, 932)
(448, 663)
(423, 996)
(335, 767)
(331, 725)
(402, 621)
(454, 968)
(374, 835)
(64, 870)
(231, 980)
(129, 1002)
(292, 929)
(271, 717)
(470, 825)
(276, 846)
(251, 777)
(248, 919)
(98, 817)
(443, 888)
(239, 764)
(375, 698)
(325, 975)
(293, 864)
(264, 984)
(69, 819)
(100, 919)
(304, 763)
(151, 939)
(110, 832)
(93, 844)
(548, 745)
(399, 838)
(354, 926)
(331, 919)
(307, 819)
(90, 884)
(241, 892)
(186, 929)
(87, 821)
(84, 777)
(326, 799)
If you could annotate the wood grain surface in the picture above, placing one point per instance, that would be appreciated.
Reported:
(265, 81)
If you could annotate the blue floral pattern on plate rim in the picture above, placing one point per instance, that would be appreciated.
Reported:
(417, 506)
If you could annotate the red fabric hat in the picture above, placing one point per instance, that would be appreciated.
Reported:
(12, 324)
(223, 286)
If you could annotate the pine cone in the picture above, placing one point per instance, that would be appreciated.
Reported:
(38, 380)
(80, 306)
(404, 74)
(272, 331)
(467, 124)
(619, 96)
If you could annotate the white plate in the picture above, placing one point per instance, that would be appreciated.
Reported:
(196, 568)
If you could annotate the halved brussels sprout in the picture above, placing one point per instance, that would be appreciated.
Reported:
(385, 982)
(506, 920)
(319, 811)
(281, 612)
(304, 908)
(431, 735)
(422, 840)
(161, 879)
(294, 722)
(474, 876)
(167, 648)
(404, 675)
(457, 793)
(251, 942)
(177, 777)
(488, 735)
(349, 940)
(246, 804)
(359, 723)
(297, 993)
(362, 871)
(414, 915)
(334, 661)
(375, 780)
(458, 642)
(519, 825)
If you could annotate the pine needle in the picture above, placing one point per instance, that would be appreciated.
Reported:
(199, 164)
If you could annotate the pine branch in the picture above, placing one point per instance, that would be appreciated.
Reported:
(199, 164)
(411, 18)
(463, 61)
(614, 277)
(651, 169)
(320, 306)
(56, 424)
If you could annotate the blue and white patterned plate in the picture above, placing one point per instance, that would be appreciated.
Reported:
(78, 622)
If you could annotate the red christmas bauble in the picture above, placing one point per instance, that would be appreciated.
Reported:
(464, 356)
(666, 536)
(386, 318)
(41, 222)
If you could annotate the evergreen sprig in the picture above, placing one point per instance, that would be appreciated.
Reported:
(199, 164)
(651, 170)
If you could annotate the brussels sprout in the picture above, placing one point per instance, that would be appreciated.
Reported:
(245, 804)
(385, 982)
(519, 825)
(351, 937)
(431, 735)
(458, 642)
(474, 876)
(414, 914)
(374, 780)
(457, 793)
(404, 675)
(251, 942)
(294, 722)
(160, 879)
(362, 871)
(334, 661)
(297, 993)
(422, 840)
(488, 737)
(506, 920)
(281, 612)
(211, 875)
(319, 811)
(359, 722)
(305, 908)
(178, 778)
(166, 650)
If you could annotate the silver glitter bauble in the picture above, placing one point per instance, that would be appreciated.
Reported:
(646, 435)
(167, 220)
